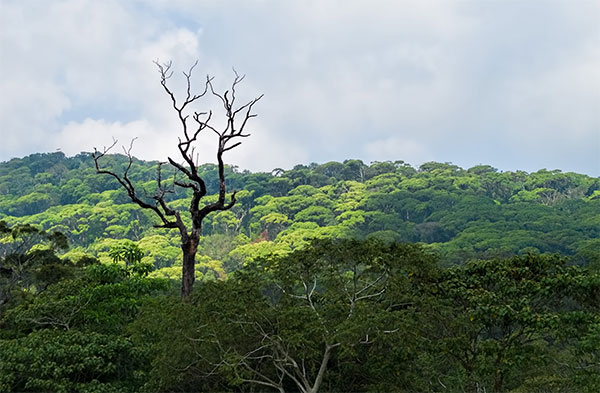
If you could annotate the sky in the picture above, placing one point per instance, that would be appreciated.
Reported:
(512, 84)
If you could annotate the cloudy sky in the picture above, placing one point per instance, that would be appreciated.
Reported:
(513, 84)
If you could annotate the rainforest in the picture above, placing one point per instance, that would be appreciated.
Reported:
(333, 277)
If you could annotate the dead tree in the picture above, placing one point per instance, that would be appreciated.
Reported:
(192, 124)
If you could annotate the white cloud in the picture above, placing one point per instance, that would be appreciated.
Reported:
(570, 87)
(461, 81)
(265, 147)
(27, 109)
(92, 133)
(397, 148)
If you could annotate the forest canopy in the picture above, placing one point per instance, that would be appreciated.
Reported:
(331, 277)
(458, 213)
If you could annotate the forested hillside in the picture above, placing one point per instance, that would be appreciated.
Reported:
(458, 213)
(336, 277)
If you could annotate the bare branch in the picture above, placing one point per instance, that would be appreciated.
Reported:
(192, 123)
(126, 183)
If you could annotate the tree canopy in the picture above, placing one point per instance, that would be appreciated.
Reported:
(459, 214)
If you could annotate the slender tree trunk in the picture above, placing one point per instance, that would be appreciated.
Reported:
(499, 382)
(471, 385)
(323, 368)
(189, 247)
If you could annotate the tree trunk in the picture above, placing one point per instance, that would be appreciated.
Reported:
(188, 274)
(499, 382)
(323, 368)
(471, 385)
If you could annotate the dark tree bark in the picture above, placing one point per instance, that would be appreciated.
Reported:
(236, 119)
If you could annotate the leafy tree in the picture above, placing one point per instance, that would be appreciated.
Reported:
(68, 360)
(72, 336)
(498, 324)
(318, 214)
(28, 263)
(296, 322)
(132, 255)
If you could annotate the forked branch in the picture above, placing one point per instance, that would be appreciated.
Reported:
(159, 206)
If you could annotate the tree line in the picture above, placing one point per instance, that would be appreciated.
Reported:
(460, 214)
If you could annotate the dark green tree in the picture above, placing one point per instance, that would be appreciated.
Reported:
(497, 325)
(305, 322)
(28, 261)
(73, 337)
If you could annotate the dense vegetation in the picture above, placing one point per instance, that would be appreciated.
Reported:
(460, 214)
(337, 315)
(333, 277)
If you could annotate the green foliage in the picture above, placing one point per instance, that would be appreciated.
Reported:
(72, 336)
(280, 283)
(248, 331)
(331, 315)
(52, 360)
(502, 324)
(128, 252)
(474, 213)
(28, 262)
(132, 255)
(392, 320)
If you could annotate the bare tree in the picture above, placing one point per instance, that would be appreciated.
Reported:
(192, 124)
(340, 293)
(272, 349)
